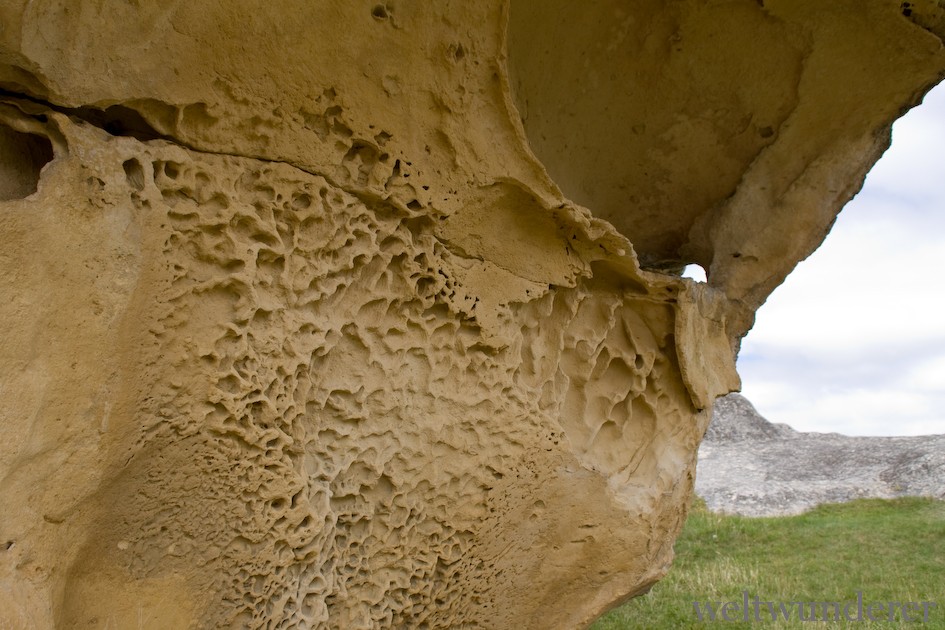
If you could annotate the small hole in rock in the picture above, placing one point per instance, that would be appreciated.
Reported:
(22, 157)
(425, 286)
(301, 201)
(695, 272)
(380, 12)
(134, 172)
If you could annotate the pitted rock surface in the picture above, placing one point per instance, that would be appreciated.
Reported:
(348, 314)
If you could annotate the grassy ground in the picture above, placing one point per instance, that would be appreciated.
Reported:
(888, 550)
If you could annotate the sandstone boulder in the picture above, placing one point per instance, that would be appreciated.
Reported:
(358, 314)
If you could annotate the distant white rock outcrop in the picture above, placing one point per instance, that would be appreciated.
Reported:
(753, 467)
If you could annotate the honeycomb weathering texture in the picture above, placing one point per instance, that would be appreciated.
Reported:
(299, 332)
(317, 432)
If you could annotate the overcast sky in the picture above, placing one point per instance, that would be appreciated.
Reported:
(854, 340)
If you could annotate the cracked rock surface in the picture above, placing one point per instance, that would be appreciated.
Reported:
(752, 467)
(354, 314)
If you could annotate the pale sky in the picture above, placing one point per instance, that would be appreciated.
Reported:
(854, 340)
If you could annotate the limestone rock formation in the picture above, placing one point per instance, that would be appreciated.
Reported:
(350, 314)
(752, 467)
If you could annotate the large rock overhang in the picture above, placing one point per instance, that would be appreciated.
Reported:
(727, 134)
(349, 314)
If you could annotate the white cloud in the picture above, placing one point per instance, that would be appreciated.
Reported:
(854, 341)
(871, 411)
(912, 168)
(926, 376)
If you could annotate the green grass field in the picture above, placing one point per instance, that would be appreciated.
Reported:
(891, 551)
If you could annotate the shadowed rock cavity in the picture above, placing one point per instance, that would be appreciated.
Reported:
(349, 328)
(22, 157)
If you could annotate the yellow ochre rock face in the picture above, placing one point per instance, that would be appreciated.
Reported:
(338, 314)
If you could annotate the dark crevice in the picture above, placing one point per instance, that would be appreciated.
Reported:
(116, 120)
(119, 120)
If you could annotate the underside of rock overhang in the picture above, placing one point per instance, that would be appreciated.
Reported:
(360, 314)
